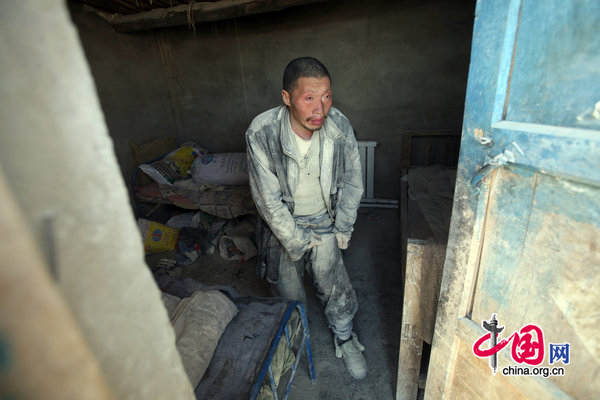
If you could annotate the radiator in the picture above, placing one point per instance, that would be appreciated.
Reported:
(366, 150)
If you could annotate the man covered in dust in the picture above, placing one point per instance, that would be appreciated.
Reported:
(306, 181)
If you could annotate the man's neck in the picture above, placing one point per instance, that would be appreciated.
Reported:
(300, 131)
(304, 135)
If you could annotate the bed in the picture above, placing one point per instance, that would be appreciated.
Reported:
(429, 160)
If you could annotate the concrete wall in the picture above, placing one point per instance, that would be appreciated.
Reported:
(397, 66)
(61, 170)
(130, 82)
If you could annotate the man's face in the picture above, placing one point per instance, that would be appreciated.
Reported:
(309, 105)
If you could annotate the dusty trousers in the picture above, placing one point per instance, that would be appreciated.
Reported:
(325, 266)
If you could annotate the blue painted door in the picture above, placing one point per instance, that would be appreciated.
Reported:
(525, 234)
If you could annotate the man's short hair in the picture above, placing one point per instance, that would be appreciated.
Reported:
(303, 67)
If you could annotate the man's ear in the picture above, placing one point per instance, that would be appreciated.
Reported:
(286, 97)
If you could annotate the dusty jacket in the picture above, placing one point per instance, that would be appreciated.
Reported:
(274, 173)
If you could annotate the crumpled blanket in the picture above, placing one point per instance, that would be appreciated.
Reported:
(199, 322)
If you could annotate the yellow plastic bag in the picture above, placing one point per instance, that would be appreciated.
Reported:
(157, 237)
(174, 166)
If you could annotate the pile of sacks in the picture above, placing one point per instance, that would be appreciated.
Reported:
(197, 233)
(216, 185)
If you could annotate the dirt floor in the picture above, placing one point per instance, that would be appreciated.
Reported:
(373, 261)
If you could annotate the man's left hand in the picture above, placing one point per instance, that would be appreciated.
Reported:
(342, 240)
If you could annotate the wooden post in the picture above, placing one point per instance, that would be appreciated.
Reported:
(403, 220)
(411, 344)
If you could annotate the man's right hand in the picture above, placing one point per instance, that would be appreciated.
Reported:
(315, 240)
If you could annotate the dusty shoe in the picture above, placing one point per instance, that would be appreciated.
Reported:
(351, 351)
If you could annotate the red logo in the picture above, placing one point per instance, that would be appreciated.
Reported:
(527, 344)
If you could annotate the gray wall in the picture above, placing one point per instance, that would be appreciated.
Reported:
(397, 66)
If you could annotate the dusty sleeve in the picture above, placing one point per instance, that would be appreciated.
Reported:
(268, 197)
(352, 189)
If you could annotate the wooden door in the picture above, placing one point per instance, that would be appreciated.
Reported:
(525, 234)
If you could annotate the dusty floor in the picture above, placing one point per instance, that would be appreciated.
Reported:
(373, 261)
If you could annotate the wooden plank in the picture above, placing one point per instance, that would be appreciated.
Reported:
(200, 12)
(432, 267)
(403, 221)
(411, 345)
(457, 273)
(558, 230)
(528, 387)
(474, 381)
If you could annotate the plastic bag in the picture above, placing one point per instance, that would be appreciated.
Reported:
(157, 237)
(175, 165)
(221, 169)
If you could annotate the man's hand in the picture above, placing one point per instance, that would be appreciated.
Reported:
(315, 240)
(342, 240)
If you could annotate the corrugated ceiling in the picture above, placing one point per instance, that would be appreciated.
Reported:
(138, 15)
(127, 7)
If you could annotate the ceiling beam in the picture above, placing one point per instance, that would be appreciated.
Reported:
(200, 12)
